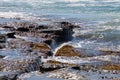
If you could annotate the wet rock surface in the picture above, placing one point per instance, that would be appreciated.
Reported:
(7, 76)
(67, 50)
(66, 74)
(20, 64)
(25, 43)
(52, 65)
(27, 53)
(110, 52)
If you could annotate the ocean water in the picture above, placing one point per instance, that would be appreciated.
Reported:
(99, 19)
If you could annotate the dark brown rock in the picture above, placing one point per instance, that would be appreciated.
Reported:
(60, 31)
(70, 51)
(1, 56)
(36, 49)
(68, 25)
(66, 33)
(41, 27)
(8, 28)
(110, 52)
(43, 48)
(67, 50)
(23, 29)
(3, 38)
(3, 41)
(10, 35)
(48, 41)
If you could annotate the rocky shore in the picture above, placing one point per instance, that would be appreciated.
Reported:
(27, 53)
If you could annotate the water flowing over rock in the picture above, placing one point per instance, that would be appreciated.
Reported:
(68, 51)
(43, 48)
(3, 41)
(7, 76)
(52, 65)
(110, 52)
(62, 74)
(32, 75)
(20, 64)
(29, 53)
(67, 74)
(59, 31)
(8, 28)
(23, 29)
(10, 35)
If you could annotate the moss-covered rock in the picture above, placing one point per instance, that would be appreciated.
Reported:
(60, 63)
(42, 47)
(67, 50)
(111, 67)
(109, 52)
(30, 48)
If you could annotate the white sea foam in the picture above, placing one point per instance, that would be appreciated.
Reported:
(77, 60)
(76, 5)
(60, 47)
(90, 0)
(70, 0)
(53, 1)
(20, 16)
(16, 15)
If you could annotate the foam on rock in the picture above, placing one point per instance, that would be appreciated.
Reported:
(68, 51)
(66, 75)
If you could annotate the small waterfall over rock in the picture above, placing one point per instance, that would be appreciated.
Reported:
(21, 65)
(53, 44)
(30, 46)
(57, 48)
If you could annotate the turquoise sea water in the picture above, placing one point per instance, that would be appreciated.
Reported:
(99, 19)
